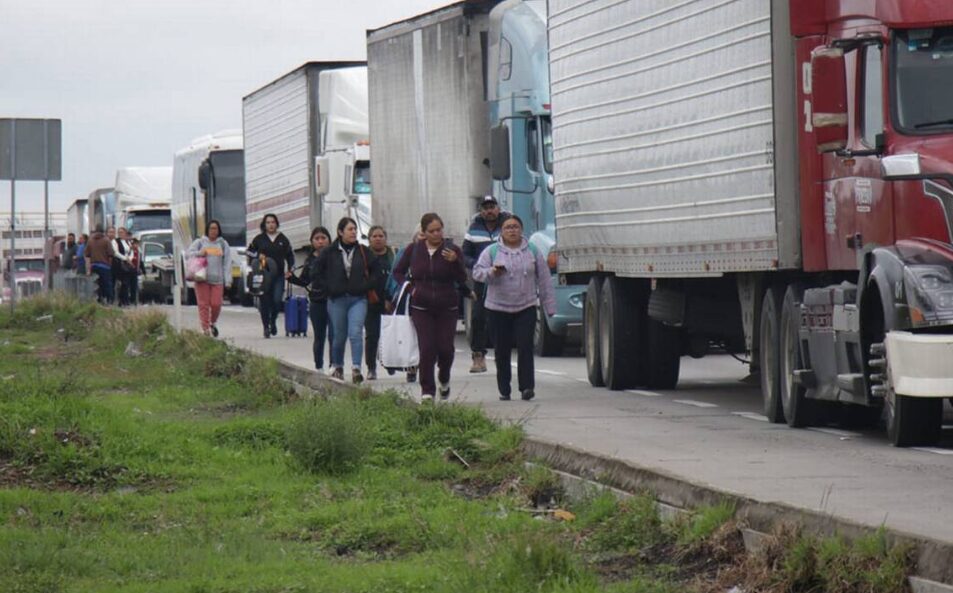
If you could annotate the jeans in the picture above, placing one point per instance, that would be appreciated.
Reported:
(372, 334)
(270, 302)
(435, 331)
(479, 340)
(322, 330)
(347, 315)
(209, 298)
(105, 281)
(514, 330)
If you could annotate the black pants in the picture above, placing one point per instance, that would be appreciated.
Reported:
(271, 302)
(132, 279)
(479, 339)
(372, 334)
(318, 311)
(514, 330)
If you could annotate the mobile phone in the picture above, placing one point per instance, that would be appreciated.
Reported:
(448, 242)
(499, 266)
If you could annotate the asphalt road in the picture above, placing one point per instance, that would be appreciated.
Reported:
(708, 431)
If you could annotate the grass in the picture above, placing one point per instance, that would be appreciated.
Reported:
(134, 459)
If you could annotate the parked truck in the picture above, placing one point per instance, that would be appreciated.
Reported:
(771, 177)
(143, 198)
(208, 183)
(101, 209)
(77, 217)
(306, 154)
(443, 84)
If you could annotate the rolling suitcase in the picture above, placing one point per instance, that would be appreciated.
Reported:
(296, 315)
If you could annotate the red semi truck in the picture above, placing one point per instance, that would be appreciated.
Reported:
(772, 177)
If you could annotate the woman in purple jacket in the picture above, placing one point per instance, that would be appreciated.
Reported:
(435, 269)
(517, 278)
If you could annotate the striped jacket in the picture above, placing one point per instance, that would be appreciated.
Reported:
(479, 237)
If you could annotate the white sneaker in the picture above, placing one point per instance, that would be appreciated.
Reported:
(426, 399)
(444, 391)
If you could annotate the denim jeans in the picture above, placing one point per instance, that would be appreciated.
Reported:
(271, 302)
(322, 330)
(347, 315)
(105, 275)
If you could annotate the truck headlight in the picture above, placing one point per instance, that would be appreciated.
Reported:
(930, 292)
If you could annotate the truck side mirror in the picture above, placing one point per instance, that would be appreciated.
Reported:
(500, 152)
(829, 98)
(205, 174)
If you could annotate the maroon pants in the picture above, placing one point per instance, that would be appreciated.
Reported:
(435, 331)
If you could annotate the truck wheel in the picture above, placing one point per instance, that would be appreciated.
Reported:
(769, 342)
(590, 330)
(859, 417)
(913, 421)
(619, 335)
(545, 342)
(664, 355)
(798, 409)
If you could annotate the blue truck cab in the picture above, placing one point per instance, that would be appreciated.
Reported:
(522, 148)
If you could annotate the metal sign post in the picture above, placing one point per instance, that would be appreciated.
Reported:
(30, 150)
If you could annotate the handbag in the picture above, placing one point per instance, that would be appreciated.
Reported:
(398, 346)
(372, 297)
(196, 269)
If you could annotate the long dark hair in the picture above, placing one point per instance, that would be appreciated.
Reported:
(342, 224)
(265, 218)
(318, 230)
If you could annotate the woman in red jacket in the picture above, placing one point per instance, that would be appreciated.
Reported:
(435, 269)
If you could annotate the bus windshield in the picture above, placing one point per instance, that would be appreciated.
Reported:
(923, 79)
(228, 196)
(148, 220)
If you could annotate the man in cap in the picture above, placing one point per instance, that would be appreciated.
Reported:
(483, 231)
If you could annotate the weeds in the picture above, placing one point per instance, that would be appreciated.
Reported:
(328, 436)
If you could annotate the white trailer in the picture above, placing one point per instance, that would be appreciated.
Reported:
(306, 158)
(77, 218)
(143, 198)
(208, 183)
(429, 118)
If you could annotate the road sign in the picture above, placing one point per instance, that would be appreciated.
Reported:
(30, 149)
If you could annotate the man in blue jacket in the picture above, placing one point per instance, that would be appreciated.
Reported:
(483, 231)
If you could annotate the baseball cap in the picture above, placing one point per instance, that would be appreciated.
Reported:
(487, 200)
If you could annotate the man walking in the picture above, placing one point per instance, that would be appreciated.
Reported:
(483, 231)
(99, 257)
(68, 259)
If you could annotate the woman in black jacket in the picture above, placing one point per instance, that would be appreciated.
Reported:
(320, 239)
(275, 249)
(347, 271)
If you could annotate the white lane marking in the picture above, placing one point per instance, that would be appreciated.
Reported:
(697, 404)
(835, 432)
(752, 416)
(586, 381)
(643, 392)
(933, 450)
(547, 372)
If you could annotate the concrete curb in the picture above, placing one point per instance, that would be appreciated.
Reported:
(583, 472)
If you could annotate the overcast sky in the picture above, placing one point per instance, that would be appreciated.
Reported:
(135, 80)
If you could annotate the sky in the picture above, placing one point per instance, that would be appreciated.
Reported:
(136, 80)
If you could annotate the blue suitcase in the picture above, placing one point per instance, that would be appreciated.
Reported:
(296, 316)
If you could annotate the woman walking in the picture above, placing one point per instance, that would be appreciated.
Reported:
(377, 238)
(517, 278)
(210, 292)
(320, 239)
(435, 269)
(276, 250)
(347, 272)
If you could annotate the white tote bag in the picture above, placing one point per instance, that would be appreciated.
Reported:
(398, 346)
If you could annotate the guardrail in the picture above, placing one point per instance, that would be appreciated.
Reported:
(81, 286)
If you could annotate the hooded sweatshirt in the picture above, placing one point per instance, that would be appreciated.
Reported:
(218, 257)
(525, 281)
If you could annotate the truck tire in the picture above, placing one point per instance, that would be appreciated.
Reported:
(799, 411)
(913, 421)
(663, 353)
(619, 335)
(590, 330)
(545, 342)
(769, 344)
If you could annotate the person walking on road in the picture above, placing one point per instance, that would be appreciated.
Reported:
(80, 263)
(484, 230)
(347, 271)
(68, 259)
(517, 278)
(138, 268)
(99, 257)
(435, 269)
(210, 292)
(275, 248)
(377, 237)
(123, 272)
(318, 310)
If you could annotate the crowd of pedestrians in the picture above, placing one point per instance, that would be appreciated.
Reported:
(351, 286)
(114, 257)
